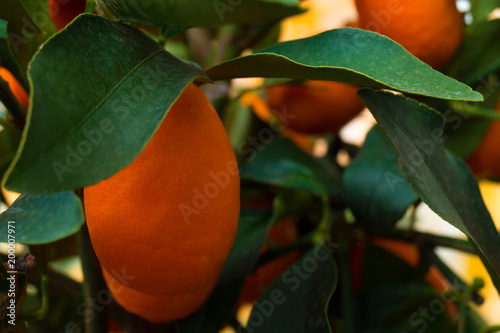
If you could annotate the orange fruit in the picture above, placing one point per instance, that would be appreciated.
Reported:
(315, 107)
(157, 308)
(282, 233)
(485, 160)
(63, 12)
(431, 30)
(15, 87)
(169, 219)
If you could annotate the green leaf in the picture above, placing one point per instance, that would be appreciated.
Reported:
(38, 11)
(3, 29)
(196, 13)
(100, 91)
(315, 175)
(441, 179)
(297, 301)
(23, 35)
(481, 9)
(253, 227)
(478, 55)
(400, 305)
(376, 189)
(347, 55)
(42, 218)
(283, 173)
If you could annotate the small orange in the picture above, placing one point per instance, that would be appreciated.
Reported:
(169, 219)
(158, 309)
(485, 160)
(282, 233)
(315, 107)
(15, 87)
(63, 12)
(431, 30)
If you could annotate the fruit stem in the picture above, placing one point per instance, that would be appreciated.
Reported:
(93, 284)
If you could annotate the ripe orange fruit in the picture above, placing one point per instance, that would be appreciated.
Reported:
(282, 233)
(315, 107)
(15, 87)
(485, 160)
(63, 12)
(169, 219)
(431, 30)
(158, 308)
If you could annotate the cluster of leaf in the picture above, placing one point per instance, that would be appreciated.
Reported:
(100, 88)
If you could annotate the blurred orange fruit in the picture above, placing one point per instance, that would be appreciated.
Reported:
(15, 87)
(485, 160)
(431, 30)
(263, 112)
(63, 12)
(315, 107)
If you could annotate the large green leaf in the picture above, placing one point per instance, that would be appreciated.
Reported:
(376, 189)
(441, 179)
(348, 55)
(100, 90)
(42, 218)
(297, 301)
(194, 13)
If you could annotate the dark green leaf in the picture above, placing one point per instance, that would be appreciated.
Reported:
(348, 55)
(297, 301)
(376, 189)
(42, 218)
(253, 227)
(24, 36)
(100, 90)
(3, 29)
(196, 13)
(38, 11)
(283, 173)
(441, 179)
(317, 173)
(403, 306)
